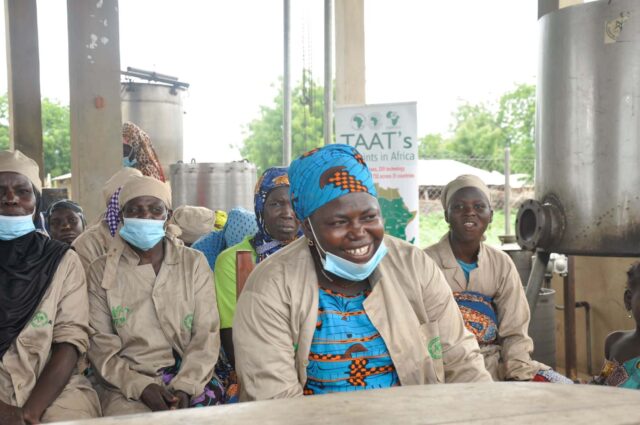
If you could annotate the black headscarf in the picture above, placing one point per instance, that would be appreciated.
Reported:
(27, 266)
(65, 204)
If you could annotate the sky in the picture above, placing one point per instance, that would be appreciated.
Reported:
(437, 53)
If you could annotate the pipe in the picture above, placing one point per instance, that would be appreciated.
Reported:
(286, 89)
(507, 190)
(536, 278)
(328, 72)
(587, 317)
(570, 322)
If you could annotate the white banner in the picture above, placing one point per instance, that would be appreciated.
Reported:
(386, 135)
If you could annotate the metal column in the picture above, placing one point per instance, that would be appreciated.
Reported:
(328, 72)
(286, 117)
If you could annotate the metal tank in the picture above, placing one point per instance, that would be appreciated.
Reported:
(157, 109)
(587, 133)
(217, 186)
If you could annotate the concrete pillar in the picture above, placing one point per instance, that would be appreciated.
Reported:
(23, 71)
(349, 52)
(94, 75)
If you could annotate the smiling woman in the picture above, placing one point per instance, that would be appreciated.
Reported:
(346, 307)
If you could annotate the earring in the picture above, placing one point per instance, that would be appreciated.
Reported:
(310, 242)
(629, 314)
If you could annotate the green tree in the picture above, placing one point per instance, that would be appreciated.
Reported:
(434, 146)
(516, 116)
(56, 138)
(263, 142)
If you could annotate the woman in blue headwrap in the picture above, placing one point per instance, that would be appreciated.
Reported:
(346, 307)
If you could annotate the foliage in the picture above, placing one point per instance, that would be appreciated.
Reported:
(56, 134)
(480, 133)
(263, 142)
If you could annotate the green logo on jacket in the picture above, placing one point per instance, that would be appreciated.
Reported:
(187, 322)
(119, 315)
(40, 319)
(435, 348)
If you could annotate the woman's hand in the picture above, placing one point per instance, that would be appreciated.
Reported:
(10, 415)
(158, 398)
(183, 399)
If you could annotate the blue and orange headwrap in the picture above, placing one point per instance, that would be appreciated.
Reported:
(262, 242)
(324, 174)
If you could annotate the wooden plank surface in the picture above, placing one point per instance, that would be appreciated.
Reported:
(497, 403)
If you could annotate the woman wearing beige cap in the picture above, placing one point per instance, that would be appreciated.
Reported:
(486, 285)
(44, 317)
(153, 310)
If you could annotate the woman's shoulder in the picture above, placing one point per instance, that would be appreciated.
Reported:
(613, 341)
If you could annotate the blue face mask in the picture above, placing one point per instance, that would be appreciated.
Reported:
(347, 269)
(13, 227)
(126, 162)
(142, 233)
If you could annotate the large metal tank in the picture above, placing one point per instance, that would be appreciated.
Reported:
(157, 109)
(587, 133)
(217, 186)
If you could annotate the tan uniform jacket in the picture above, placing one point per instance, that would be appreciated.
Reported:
(496, 277)
(410, 305)
(61, 317)
(93, 243)
(140, 318)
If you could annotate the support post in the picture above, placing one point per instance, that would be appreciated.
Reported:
(328, 72)
(286, 117)
(94, 75)
(350, 59)
(23, 72)
(507, 190)
(570, 351)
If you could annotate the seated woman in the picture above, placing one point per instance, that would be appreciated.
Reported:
(346, 307)
(622, 348)
(153, 312)
(44, 313)
(277, 227)
(95, 240)
(65, 221)
(486, 285)
(239, 224)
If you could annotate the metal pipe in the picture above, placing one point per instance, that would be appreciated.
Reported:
(587, 319)
(570, 322)
(286, 89)
(547, 6)
(536, 278)
(328, 72)
(507, 190)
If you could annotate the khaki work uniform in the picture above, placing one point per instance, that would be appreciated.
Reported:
(61, 317)
(139, 319)
(410, 305)
(93, 243)
(496, 277)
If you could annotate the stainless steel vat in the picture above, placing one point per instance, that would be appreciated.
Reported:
(587, 133)
(217, 186)
(157, 109)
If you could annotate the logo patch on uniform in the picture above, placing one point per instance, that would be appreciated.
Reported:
(40, 319)
(119, 315)
(435, 348)
(187, 322)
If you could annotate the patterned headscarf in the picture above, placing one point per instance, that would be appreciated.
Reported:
(324, 174)
(263, 243)
(112, 216)
(142, 155)
(240, 224)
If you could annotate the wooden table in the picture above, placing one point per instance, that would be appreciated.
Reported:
(497, 403)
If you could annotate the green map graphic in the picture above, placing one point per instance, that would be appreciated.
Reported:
(395, 212)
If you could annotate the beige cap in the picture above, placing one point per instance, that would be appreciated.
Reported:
(460, 182)
(17, 162)
(193, 221)
(116, 181)
(136, 186)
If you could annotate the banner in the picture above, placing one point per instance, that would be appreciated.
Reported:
(386, 135)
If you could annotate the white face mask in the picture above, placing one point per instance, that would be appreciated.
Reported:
(13, 227)
(347, 269)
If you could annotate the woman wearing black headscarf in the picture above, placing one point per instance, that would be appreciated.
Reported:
(43, 309)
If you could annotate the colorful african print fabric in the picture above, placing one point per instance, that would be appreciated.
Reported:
(228, 378)
(240, 224)
(347, 352)
(623, 375)
(112, 216)
(479, 315)
(138, 152)
(324, 174)
(212, 395)
(262, 242)
(551, 376)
